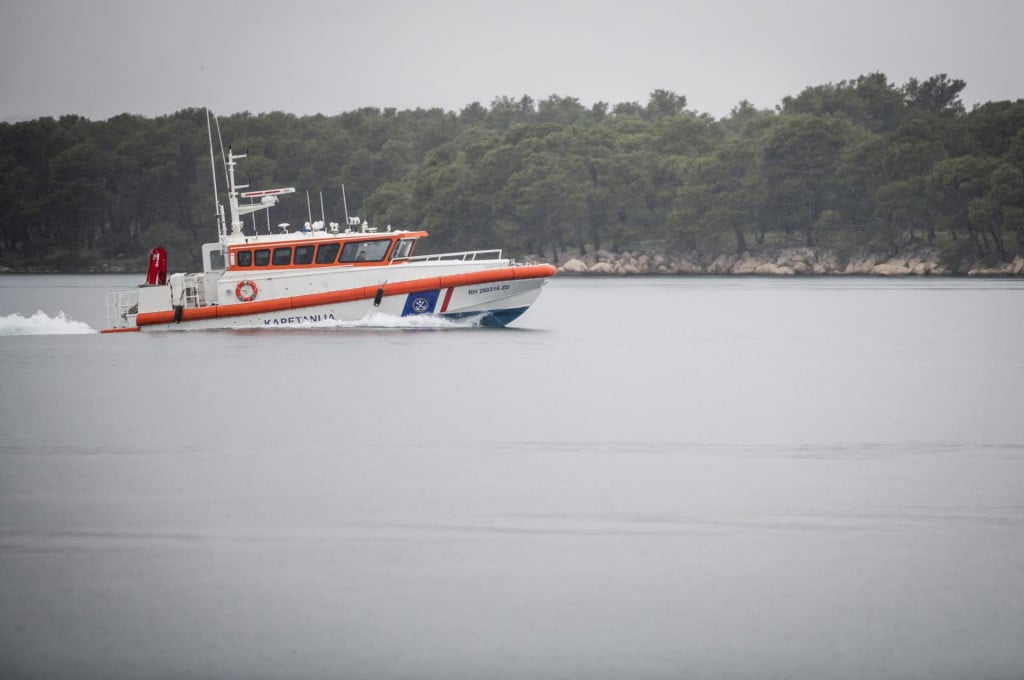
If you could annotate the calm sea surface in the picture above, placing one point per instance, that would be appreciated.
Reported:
(643, 478)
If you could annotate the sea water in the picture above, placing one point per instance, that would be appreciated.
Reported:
(643, 478)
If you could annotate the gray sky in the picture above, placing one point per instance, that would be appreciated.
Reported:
(99, 58)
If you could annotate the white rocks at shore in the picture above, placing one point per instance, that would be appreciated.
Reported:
(1015, 268)
(786, 262)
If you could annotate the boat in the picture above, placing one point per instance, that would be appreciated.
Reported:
(320, 274)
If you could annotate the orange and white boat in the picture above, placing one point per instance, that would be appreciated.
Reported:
(321, 274)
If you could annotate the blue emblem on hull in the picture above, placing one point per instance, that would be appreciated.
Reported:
(420, 303)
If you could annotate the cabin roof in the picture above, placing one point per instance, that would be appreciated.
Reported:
(240, 240)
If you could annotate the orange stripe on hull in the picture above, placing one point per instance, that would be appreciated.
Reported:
(533, 271)
(131, 329)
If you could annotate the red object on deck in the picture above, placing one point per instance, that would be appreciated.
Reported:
(157, 274)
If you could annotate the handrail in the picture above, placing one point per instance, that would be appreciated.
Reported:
(465, 256)
(121, 305)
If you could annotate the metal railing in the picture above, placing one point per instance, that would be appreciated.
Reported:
(195, 291)
(120, 306)
(466, 256)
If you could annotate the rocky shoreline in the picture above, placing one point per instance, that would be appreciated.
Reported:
(784, 262)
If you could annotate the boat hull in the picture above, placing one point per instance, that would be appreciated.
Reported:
(485, 300)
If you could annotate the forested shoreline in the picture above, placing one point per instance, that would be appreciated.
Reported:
(860, 169)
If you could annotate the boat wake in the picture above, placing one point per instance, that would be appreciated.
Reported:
(380, 321)
(42, 324)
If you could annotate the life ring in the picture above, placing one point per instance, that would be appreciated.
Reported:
(242, 295)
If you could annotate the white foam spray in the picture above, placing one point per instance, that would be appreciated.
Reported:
(41, 323)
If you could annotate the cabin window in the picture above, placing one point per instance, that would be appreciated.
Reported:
(216, 260)
(244, 258)
(261, 257)
(282, 257)
(327, 253)
(403, 249)
(365, 251)
(303, 254)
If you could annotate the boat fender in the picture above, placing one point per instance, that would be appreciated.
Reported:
(246, 291)
(378, 297)
(178, 309)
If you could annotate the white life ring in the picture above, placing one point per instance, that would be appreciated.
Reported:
(241, 294)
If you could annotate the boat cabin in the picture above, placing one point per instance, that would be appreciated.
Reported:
(368, 250)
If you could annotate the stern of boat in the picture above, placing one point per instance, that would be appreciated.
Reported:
(182, 291)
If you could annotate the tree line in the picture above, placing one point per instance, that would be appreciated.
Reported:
(861, 164)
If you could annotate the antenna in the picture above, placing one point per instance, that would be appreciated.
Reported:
(345, 201)
(309, 210)
(218, 208)
(223, 156)
(323, 218)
